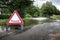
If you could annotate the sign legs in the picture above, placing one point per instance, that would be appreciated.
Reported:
(22, 27)
(7, 27)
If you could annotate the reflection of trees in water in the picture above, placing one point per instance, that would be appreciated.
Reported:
(15, 26)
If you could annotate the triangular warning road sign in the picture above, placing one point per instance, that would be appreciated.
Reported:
(15, 18)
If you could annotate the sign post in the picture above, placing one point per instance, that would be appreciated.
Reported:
(15, 19)
(7, 26)
(22, 26)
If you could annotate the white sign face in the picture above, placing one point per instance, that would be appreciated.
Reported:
(15, 19)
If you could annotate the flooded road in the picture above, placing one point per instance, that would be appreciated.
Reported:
(37, 32)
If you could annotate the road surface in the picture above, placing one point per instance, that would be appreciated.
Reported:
(37, 32)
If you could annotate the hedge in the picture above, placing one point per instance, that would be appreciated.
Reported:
(4, 16)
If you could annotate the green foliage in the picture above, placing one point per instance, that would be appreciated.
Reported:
(48, 9)
(3, 22)
(4, 16)
(33, 11)
(27, 15)
(23, 7)
(19, 5)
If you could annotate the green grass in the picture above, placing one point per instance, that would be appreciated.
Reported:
(56, 17)
(3, 22)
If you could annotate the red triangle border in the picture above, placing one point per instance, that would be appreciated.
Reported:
(12, 16)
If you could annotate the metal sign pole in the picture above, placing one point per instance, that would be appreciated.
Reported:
(7, 26)
(22, 27)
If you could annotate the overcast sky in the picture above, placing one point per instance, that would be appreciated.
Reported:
(54, 2)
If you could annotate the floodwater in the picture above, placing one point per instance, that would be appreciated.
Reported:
(28, 23)
(40, 31)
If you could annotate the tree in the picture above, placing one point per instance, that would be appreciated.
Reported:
(19, 5)
(48, 9)
(33, 11)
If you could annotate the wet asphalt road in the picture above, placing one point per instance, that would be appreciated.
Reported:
(37, 32)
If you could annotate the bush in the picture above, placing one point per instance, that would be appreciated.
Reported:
(28, 16)
(4, 16)
(3, 22)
